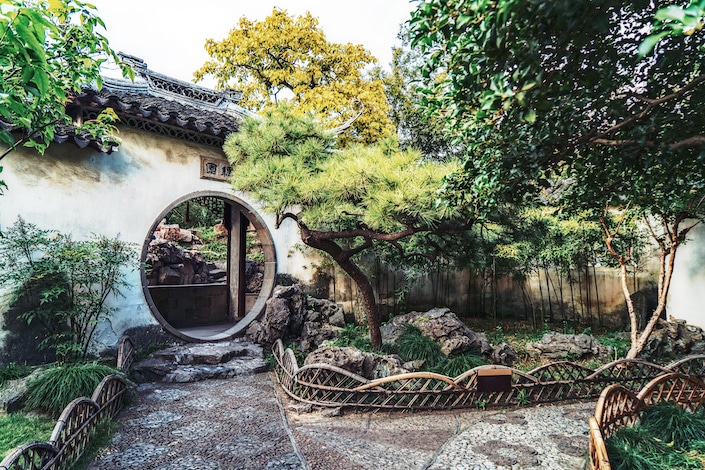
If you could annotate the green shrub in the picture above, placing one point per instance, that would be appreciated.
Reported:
(58, 386)
(215, 244)
(618, 341)
(354, 336)
(65, 283)
(17, 429)
(412, 345)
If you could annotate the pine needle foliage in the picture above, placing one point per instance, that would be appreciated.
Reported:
(345, 202)
(289, 163)
(58, 386)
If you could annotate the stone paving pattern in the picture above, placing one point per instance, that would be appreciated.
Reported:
(241, 423)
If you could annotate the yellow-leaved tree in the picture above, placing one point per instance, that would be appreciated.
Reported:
(289, 59)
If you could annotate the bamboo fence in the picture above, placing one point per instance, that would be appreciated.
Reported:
(619, 407)
(77, 423)
(327, 385)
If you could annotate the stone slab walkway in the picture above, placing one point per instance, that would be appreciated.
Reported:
(241, 423)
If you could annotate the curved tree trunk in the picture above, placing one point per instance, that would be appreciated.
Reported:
(343, 257)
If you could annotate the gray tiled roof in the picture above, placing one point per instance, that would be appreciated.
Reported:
(156, 103)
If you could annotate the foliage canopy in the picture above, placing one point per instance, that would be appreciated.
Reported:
(559, 104)
(345, 202)
(283, 58)
(49, 49)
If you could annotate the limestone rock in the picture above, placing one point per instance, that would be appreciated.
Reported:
(11, 393)
(503, 354)
(675, 338)
(274, 324)
(333, 413)
(291, 315)
(314, 334)
(559, 346)
(369, 365)
(444, 327)
(170, 264)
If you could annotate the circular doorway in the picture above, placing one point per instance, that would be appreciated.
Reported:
(208, 267)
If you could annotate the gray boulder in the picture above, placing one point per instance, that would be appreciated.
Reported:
(195, 362)
(559, 346)
(12, 392)
(369, 365)
(503, 354)
(442, 326)
(675, 338)
(291, 315)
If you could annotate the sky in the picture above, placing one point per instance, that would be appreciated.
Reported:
(169, 35)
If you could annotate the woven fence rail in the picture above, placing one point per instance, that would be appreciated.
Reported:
(482, 387)
(76, 424)
(619, 407)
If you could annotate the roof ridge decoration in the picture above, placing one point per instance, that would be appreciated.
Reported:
(159, 85)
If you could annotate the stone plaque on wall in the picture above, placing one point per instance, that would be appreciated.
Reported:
(215, 169)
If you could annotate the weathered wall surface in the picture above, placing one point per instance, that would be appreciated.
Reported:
(592, 298)
(82, 192)
(686, 297)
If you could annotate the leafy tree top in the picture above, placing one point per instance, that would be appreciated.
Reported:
(289, 59)
(345, 202)
(558, 89)
(48, 50)
(406, 97)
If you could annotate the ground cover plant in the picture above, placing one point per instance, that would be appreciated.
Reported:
(13, 371)
(667, 437)
(17, 429)
(412, 345)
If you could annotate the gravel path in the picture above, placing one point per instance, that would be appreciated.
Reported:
(240, 423)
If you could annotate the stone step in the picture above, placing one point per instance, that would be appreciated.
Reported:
(201, 361)
(216, 274)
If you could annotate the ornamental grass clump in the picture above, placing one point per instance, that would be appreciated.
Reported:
(353, 336)
(412, 345)
(455, 364)
(58, 386)
(674, 424)
(667, 437)
(13, 371)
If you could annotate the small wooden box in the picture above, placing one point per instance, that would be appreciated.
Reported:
(494, 380)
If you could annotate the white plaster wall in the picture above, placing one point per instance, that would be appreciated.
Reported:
(686, 298)
(81, 192)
